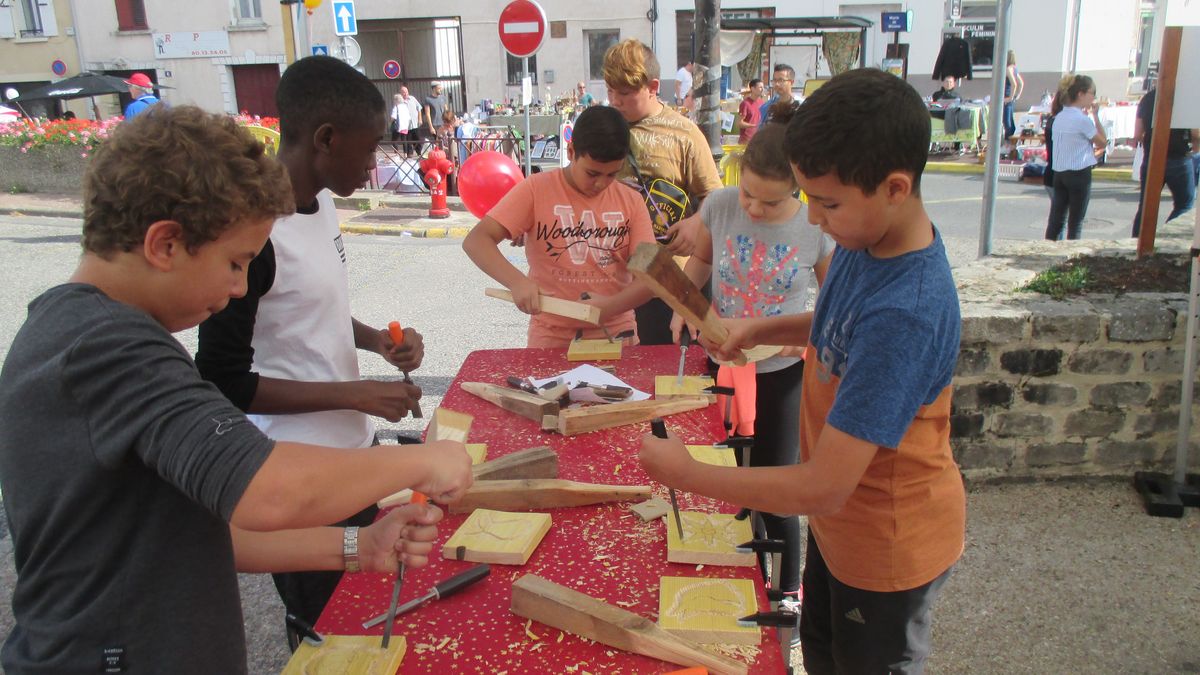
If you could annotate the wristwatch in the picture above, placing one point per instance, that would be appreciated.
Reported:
(350, 549)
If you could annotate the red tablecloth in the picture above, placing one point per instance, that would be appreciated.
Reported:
(604, 551)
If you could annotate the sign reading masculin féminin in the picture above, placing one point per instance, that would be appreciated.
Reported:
(522, 28)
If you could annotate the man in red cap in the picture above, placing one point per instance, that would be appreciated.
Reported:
(140, 88)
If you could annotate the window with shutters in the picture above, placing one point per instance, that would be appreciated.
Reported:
(32, 24)
(514, 69)
(131, 15)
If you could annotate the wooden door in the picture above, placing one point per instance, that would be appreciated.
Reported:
(255, 88)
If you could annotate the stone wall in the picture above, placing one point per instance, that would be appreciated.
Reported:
(1084, 386)
(55, 169)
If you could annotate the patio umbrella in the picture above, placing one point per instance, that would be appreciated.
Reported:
(79, 86)
(8, 114)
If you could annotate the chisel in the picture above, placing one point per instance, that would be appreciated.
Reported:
(397, 335)
(685, 339)
(659, 429)
(442, 590)
(417, 498)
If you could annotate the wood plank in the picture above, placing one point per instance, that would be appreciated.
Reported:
(497, 537)
(543, 493)
(581, 420)
(651, 509)
(449, 425)
(668, 386)
(513, 400)
(713, 455)
(594, 350)
(710, 539)
(347, 655)
(707, 610)
(653, 265)
(560, 607)
(539, 462)
(478, 453)
(557, 306)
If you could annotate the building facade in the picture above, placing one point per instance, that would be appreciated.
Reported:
(38, 44)
(1100, 38)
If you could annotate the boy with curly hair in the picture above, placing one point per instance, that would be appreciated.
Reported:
(134, 490)
(877, 478)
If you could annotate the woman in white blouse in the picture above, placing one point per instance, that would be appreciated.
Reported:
(1077, 134)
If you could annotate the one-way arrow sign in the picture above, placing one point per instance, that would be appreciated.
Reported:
(344, 22)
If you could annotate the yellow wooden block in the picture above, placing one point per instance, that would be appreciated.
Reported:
(449, 425)
(668, 386)
(478, 452)
(497, 537)
(709, 539)
(594, 350)
(347, 655)
(713, 455)
(707, 610)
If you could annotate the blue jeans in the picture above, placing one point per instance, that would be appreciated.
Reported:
(1180, 178)
(1010, 125)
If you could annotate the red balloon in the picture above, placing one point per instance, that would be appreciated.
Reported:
(485, 178)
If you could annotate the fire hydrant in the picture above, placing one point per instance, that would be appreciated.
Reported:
(437, 168)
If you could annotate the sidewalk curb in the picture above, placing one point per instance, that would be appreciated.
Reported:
(42, 213)
(432, 232)
(1099, 173)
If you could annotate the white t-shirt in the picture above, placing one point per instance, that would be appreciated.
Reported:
(303, 330)
(684, 78)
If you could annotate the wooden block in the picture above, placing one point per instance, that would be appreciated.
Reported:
(448, 425)
(478, 452)
(755, 353)
(668, 386)
(713, 455)
(497, 537)
(539, 462)
(347, 655)
(395, 499)
(653, 265)
(651, 509)
(581, 420)
(707, 610)
(710, 539)
(560, 607)
(594, 350)
(557, 306)
(513, 400)
(543, 493)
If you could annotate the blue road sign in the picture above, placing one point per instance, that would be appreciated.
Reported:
(344, 22)
(320, 50)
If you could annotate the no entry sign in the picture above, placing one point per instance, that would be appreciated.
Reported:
(522, 28)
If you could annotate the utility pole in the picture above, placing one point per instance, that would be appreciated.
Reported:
(707, 75)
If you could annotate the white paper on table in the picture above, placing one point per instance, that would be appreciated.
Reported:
(592, 375)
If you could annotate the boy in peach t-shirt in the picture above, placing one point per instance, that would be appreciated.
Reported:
(580, 228)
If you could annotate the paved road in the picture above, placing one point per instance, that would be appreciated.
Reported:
(1057, 577)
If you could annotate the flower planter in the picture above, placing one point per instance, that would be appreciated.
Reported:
(56, 169)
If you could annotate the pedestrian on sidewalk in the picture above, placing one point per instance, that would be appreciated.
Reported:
(1078, 135)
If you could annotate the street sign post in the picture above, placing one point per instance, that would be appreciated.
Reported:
(344, 21)
(522, 27)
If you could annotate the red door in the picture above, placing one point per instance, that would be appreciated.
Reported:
(255, 88)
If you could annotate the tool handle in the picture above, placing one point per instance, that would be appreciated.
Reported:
(396, 333)
(304, 628)
(658, 427)
(419, 498)
(461, 580)
(685, 339)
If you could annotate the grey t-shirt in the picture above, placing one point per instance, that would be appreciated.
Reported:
(437, 105)
(120, 469)
(761, 269)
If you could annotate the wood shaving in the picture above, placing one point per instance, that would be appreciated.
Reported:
(530, 633)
